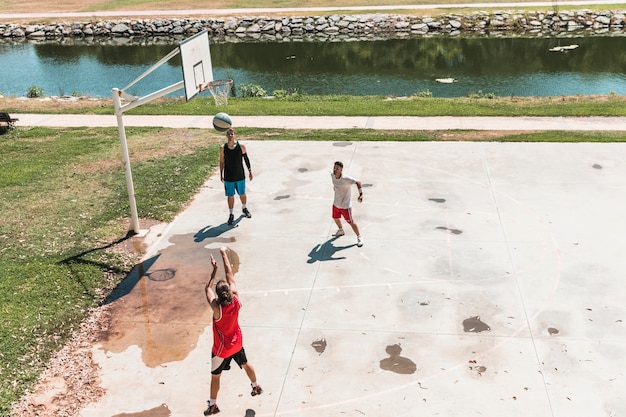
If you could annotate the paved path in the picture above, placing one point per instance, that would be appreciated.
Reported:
(339, 122)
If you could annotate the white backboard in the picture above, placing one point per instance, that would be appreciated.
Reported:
(195, 56)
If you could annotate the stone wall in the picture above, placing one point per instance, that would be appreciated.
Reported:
(364, 25)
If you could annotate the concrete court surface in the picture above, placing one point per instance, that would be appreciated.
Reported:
(491, 283)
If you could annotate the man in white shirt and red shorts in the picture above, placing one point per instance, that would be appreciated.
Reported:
(342, 203)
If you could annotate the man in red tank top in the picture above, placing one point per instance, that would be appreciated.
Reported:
(223, 298)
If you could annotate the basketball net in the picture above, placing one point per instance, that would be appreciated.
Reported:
(220, 89)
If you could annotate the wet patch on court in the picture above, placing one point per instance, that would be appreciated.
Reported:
(437, 200)
(597, 166)
(159, 411)
(552, 331)
(396, 363)
(154, 305)
(342, 144)
(319, 345)
(281, 197)
(475, 325)
(453, 231)
(477, 369)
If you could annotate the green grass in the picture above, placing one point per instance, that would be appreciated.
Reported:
(63, 199)
(311, 105)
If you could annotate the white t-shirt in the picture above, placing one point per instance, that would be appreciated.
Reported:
(342, 190)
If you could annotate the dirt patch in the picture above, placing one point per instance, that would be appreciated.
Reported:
(71, 379)
(479, 135)
(137, 245)
(60, 104)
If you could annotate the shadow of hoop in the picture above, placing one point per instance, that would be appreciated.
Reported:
(160, 274)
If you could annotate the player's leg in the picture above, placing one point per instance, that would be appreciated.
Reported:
(355, 228)
(229, 190)
(217, 366)
(215, 386)
(242, 361)
(256, 388)
(337, 218)
(241, 190)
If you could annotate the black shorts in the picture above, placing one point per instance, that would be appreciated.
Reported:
(223, 364)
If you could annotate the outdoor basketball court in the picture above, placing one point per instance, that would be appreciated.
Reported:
(490, 283)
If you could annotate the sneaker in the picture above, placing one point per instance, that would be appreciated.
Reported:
(231, 219)
(339, 232)
(359, 241)
(247, 213)
(256, 390)
(213, 409)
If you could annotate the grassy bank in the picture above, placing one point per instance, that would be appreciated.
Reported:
(309, 105)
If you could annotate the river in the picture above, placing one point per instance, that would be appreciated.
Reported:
(394, 67)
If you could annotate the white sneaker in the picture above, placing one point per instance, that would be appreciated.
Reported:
(339, 232)
(359, 241)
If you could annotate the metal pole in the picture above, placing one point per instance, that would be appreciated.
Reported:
(134, 221)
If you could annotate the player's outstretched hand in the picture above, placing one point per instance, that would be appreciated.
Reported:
(213, 262)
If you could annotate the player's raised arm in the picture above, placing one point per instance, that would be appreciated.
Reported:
(208, 289)
(228, 269)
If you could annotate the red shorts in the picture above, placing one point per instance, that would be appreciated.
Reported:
(346, 213)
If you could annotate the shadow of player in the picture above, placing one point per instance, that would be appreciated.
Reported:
(212, 232)
(326, 251)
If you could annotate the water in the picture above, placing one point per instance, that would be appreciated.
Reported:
(401, 67)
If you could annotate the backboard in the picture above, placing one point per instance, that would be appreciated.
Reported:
(195, 57)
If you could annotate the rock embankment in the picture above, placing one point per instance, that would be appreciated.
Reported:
(276, 28)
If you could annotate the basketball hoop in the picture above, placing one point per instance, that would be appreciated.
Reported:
(220, 89)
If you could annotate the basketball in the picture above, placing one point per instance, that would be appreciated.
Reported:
(222, 122)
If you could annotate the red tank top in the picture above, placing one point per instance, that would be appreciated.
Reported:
(227, 336)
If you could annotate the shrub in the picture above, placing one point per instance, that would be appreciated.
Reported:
(290, 93)
(480, 94)
(33, 92)
(279, 93)
(425, 93)
(251, 90)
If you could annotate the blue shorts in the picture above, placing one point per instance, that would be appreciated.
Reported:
(230, 187)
